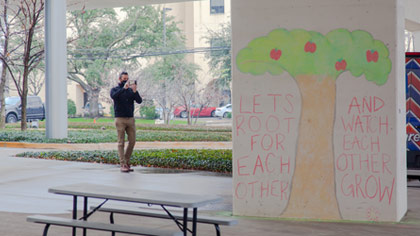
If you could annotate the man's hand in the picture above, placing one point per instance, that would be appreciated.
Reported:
(134, 87)
(126, 85)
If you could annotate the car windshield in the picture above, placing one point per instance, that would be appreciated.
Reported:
(12, 100)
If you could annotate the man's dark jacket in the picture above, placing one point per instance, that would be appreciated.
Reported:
(124, 100)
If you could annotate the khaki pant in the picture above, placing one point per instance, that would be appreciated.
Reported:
(125, 125)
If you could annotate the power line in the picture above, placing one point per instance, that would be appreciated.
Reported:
(95, 54)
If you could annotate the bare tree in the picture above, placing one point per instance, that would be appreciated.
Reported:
(184, 82)
(207, 96)
(165, 97)
(27, 52)
(36, 81)
(5, 23)
(161, 91)
(186, 93)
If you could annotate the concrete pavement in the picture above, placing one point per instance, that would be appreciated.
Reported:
(24, 187)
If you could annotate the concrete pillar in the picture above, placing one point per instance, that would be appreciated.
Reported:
(56, 68)
(319, 109)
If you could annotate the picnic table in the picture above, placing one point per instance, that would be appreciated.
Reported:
(149, 197)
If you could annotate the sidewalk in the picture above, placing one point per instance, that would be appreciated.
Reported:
(24, 191)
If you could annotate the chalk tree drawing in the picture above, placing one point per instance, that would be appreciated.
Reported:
(315, 61)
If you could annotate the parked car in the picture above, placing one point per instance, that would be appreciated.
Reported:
(34, 110)
(223, 111)
(195, 109)
(86, 109)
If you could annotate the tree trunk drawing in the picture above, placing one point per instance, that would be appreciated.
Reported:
(313, 185)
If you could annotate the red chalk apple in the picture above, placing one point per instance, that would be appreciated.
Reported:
(310, 47)
(275, 54)
(341, 65)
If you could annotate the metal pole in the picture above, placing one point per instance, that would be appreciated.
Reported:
(164, 27)
(56, 68)
(74, 213)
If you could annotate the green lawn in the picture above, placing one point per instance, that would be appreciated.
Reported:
(102, 120)
(111, 120)
(108, 136)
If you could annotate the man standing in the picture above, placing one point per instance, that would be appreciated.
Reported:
(124, 96)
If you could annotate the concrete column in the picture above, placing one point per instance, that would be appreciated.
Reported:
(318, 109)
(56, 68)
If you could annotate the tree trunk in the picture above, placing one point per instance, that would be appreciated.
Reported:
(167, 115)
(189, 117)
(94, 102)
(313, 185)
(24, 95)
(2, 98)
(4, 68)
(26, 66)
(23, 103)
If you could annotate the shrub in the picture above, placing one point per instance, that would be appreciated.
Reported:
(71, 108)
(148, 112)
(195, 159)
(229, 115)
(111, 111)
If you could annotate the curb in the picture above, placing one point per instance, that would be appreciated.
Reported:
(113, 146)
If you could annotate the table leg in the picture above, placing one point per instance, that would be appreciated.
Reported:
(185, 221)
(74, 213)
(85, 206)
(194, 222)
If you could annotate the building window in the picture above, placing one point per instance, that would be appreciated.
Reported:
(217, 6)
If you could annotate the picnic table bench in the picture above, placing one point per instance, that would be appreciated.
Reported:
(216, 221)
(51, 220)
(162, 199)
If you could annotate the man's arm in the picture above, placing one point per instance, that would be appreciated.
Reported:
(115, 92)
(137, 97)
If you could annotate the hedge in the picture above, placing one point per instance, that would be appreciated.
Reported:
(193, 159)
(156, 127)
(108, 136)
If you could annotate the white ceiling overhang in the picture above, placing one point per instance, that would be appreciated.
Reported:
(412, 18)
(91, 4)
(411, 25)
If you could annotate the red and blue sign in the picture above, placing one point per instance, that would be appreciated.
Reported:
(412, 62)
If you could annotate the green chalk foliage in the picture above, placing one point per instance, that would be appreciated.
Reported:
(301, 52)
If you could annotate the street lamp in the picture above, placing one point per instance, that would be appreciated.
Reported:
(164, 25)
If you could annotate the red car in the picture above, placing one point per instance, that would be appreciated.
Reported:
(206, 111)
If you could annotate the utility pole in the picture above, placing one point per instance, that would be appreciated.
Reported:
(164, 25)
